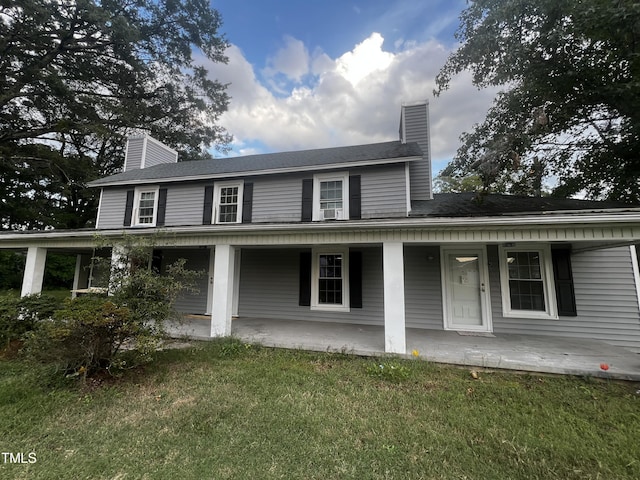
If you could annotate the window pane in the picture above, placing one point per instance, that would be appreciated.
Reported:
(526, 285)
(145, 207)
(228, 213)
(228, 205)
(330, 279)
(228, 195)
(331, 194)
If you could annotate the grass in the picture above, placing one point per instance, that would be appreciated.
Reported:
(225, 410)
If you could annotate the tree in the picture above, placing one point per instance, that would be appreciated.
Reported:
(78, 76)
(469, 183)
(570, 104)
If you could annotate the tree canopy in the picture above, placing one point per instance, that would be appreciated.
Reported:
(569, 108)
(78, 76)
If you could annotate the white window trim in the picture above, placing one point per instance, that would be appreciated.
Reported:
(217, 186)
(315, 279)
(99, 209)
(136, 206)
(636, 270)
(549, 288)
(328, 177)
(407, 178)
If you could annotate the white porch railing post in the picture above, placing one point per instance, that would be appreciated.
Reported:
(223, 285)
(34, 271)
(394, 315)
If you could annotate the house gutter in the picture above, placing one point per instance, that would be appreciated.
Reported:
(630, 219)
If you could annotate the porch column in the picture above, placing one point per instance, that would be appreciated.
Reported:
(34, 271)
(118, 267)
(394, 321)
(82, 273)
(223, 283)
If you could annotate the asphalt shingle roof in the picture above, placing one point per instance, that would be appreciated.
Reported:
(271, 161)
(472, 205)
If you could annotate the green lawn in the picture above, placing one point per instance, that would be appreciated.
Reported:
(222, 410)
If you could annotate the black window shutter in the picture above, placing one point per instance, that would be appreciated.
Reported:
(128, 208)
(355, 202)
(307, 200)
(247, 202)
(207, 212)
(563, 276)
(305, 279)
(162, 207)
(355, 279)
(156, 261)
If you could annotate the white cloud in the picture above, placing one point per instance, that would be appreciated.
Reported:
(349, 100)
(292, 60)
(365, 59)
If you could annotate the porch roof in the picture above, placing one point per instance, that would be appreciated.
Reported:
(599, 229)
(475, 205)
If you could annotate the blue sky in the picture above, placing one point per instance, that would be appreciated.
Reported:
(312, 74)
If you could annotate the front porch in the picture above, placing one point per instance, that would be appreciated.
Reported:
(534, 353)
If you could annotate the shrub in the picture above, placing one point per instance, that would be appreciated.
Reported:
(89, 334)
(19, 315)
(123, 330)
(10, 326)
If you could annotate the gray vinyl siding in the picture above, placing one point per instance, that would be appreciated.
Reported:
(156, 154)
(606, 301)
(184, 204)
(197, 259)
(135, 148)
(422, 287)
(277, 198)
(384, 191)
(269, 288)
(112, 208)
(416, 129)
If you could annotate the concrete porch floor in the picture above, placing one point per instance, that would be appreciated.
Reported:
(531, 353)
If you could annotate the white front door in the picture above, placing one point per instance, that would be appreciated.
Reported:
(465, 289)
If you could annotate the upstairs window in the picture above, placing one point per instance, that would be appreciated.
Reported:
(146, 206)
(228, 202)
(331, 194)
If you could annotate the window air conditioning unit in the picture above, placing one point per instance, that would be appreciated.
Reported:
(331, 214)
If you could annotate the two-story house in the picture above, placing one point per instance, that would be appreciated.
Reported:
(355, 235)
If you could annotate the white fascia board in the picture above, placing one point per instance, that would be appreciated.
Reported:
(477, 224)
(254, 173)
